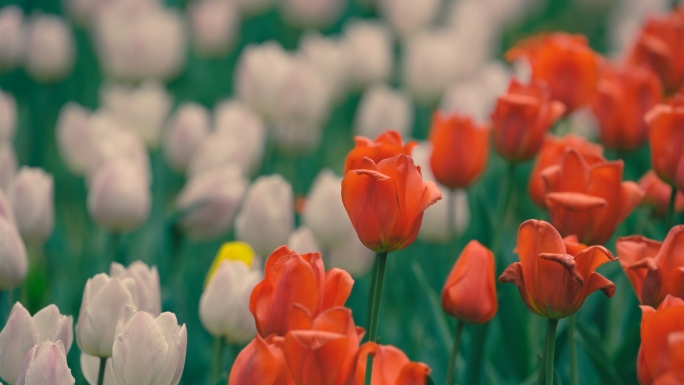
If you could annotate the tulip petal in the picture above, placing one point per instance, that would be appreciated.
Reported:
(568, 263)
(413, 373)
(598, 282)
(338, 287)
(575, 202)
(631, 250)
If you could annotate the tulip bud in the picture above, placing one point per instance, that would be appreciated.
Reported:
(12, 32)
(220, 150)
(13, 259)
(186, 130)
(119, 196)
(305, 13)
(369, 52)
(32, 194)
(382, 109)
(247, 128)
(104, 299)
(224, 305)
(90, 367)
(46, 363)
(324, 212)
(429, 65)
(50, 48)
(303, 241)
(72, 136)
(146, 282)
(215, 26)
(160, 342)
(407, 16)
(8, 116)
(210, 201)
(352, 256)
(328, 56)
(266, 217)
(8, 165)
(22, 332)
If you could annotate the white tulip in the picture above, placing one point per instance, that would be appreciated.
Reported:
(215, 26)
(312, 14)
(409, 16)
(8, 116)
(368, 47)
(252, 7)
(236, 118)
(267, 214)
(46, 363)
(303, 241)
(210, 201)
(186, 130)
(32, 196)
(148, 350)
(224, 305)
(90, 367)
(351, 255)
(7, 212)
(8, 165)
(146, 282)
(328, 56)
(13, 259)
(50, 48)
(474, 35)
(222, 149)
(104, 299)
(22, 332)
(73, 137)
(324, 212)
(12, 32)
(382, 109)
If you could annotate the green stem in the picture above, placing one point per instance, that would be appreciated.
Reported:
(371, 293)
(375, 315)
(117, 248)
(572, 350)
(542, 369)
(670, 209)
(220, 345)
(101, 372)
(502, 209)
(454, 354)
(550, 350)
(451, 225)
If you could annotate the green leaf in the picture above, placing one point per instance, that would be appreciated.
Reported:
(590, 340)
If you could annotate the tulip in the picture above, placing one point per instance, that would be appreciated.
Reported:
(521, 119)
(553, 276)
(657, 325)
(215, 26)
(657, 194)
(247, 129)
(293, 280)
(12, 32)
(460, 149)
(675, 375)
(366, 191)
(13, 259)
(8, 116)
(46, 363)
(7, 212)
(328, 57)
(104, 299)
(303, 240)
(666, 137)
(8, 165)
(566, 62)
(266, 217)
(22, 332)
(324, 212)
(260, 362)
(369, 52)
(351, 256)
(209, 202)
(390, 367)
(72, 135)
(304, 13)
(231, 251)
(148, 350)
(31, 194)
(253, 7)
(90, 367)
(382, 108)
(624, 96)
(50, 48)
(587, 200)
(551, 153)
(186, 130)
(146, 284)
(407, 17)
(119, 196)
(385, 146)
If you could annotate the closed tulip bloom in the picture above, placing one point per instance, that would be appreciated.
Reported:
(327, 55)
(386, 201)
(565, 62)
(266, 217)
(215, 26)
(32, 196)
(12, 32)
(184, 133)
(247, 129)
(369, 57)
(624, 96)
(657, 325)
(8, 165)
(666, 137)
(324, 213)
(521, 119)
(589, 201)
(555, 276)
(385, 146)
(657, 194)
(104, 299)
(551, 153)
(146, 283)
(72, 136)
(8, 116)
(391, 366)
(407, 17)
(22, 332)
(49, 48)
(382, 108)
(307, 14)
(46, 363)
(260, 362)
(13, 259)
(460, 149)
(147, 349)
(469, 293)
(303, 240)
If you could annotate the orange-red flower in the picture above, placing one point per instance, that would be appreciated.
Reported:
(657, 193)
(554, 281)
(656, 328)
(624, 96)
(293, 280)
(675, 375)
(460, 149)
(660, 46)
(589, 201)
(260, 362)
(469, 293)
(522, 117)
(390, 367)
(566, 62)
(385, 146)
(666, 136)
(655, 269)
(551, 153)
(386, 201)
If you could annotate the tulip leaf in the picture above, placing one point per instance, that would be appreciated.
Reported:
(437, 313)
(430, 381)
(590, 340)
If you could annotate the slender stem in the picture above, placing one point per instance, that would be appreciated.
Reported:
(217, 368)
(371, 293)
(573, 350)
(550, 350)
(101, 372)
(3, 311)
(502, 209)
(451, 372)
(542, 369)
(375, 315)
(671, 209)
(451, 225)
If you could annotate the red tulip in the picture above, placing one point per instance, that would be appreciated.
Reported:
(657, 194)
(656, 328)
(521, 119)
(386, 201)
(469, 293)
(551, 153)
(589, 201)
(260, 363)
(666, 136)
(385, 146)
(390, 367)
(460, 149)
(675, 374)
(624, 96)
(566, 62)
(552, 281)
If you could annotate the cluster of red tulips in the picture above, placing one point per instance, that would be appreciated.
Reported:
(307, 336)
